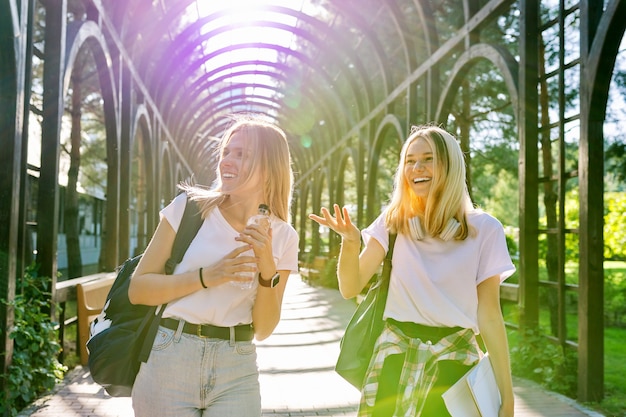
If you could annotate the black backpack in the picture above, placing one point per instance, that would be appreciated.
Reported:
(121, 336)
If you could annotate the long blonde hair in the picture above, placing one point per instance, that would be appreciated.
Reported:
(271, 158)
(448, 196)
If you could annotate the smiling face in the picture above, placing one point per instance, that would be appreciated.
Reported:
(418, 167)
(236, 165)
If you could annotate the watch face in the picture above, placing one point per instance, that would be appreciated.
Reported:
(275, 280)
(272, 282)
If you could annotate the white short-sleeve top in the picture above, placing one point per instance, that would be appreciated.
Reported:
(224, 305)
(434, 282)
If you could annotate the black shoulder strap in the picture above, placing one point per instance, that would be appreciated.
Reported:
(188, 229)
(387, 264)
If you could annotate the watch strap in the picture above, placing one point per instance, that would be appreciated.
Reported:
(269, 283)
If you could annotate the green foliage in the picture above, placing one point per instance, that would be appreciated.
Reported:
(616, 158)
(34, 369)
(538, 359)
(614, 226)
(502, 201)
(328, 277)
(615, 297)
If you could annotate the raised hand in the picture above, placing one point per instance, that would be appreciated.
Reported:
(340, 223)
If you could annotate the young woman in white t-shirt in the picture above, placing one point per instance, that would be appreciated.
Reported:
(203, 360)
(448, 262)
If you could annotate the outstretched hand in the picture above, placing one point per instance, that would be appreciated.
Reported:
(340, 223)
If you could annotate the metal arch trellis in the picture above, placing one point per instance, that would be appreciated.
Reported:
(354, 119)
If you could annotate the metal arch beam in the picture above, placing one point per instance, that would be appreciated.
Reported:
(116, 41)
(79, 34)
(470, 8)
(316, 22)
(299, 154)
(204, 82)
(198, 124)
(53, 104)
(407, 45)
(352, 15)
(165, 170)
(220, 93)
(88, 34)
(497, 55)
(312, 95)
(431, 35)
(443, 51)
(327, 110)
(347, 50)
(142, 123)
(344, 106)
(202, 147)
(602, 56)
(353, 129)
(217, 108)
(134, 121)
(427, 17)
(601, 33)
(297, 55)
(15, 24)
(167, 69)
(215, 105)
(389, 122)
(207, 84)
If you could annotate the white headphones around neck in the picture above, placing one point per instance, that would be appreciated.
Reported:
(417, 232)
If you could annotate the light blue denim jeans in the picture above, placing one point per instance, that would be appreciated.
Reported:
(187, 376)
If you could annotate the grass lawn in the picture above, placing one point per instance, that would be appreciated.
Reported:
(614, 403)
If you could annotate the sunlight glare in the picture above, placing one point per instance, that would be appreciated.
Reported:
(237, 26)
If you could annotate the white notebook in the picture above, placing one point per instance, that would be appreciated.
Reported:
(476, 394)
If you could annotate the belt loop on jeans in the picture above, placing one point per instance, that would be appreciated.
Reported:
(179, 331)
(232, 335)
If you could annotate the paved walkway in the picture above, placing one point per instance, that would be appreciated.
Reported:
(296, 366)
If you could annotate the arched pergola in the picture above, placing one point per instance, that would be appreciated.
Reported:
(345, 80)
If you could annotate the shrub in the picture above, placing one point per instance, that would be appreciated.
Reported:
(34, 369)
(537, 358)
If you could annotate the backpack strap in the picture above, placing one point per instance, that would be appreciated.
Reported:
(387, 264)
(188, 229)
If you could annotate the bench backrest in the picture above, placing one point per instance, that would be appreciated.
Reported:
(90, 299)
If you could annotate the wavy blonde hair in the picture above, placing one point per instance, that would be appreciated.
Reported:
(448, 196)
(271, 158)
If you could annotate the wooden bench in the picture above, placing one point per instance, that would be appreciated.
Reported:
(90, 299)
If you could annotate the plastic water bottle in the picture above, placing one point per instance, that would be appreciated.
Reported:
(262, 218)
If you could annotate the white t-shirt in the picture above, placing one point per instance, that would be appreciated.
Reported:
(224, 305)
(433, 282)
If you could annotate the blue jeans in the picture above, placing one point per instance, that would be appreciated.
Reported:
(188, 375)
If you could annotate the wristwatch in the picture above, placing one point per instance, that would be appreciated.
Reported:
(269, 283)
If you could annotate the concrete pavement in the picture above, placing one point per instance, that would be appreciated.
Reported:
(296, 370)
